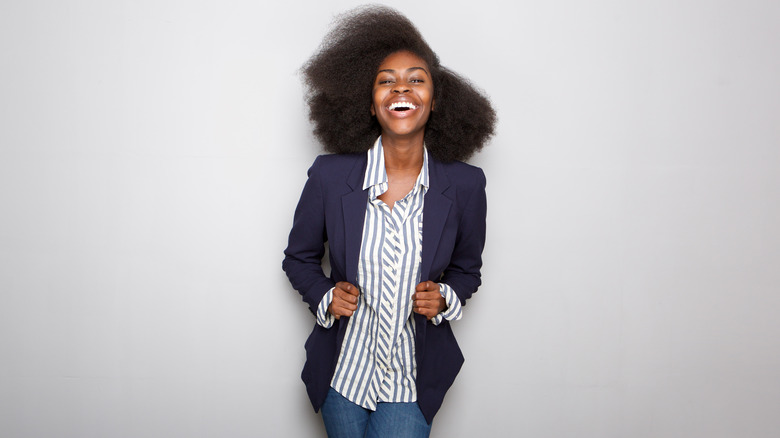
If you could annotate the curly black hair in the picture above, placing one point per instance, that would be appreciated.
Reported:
(339, 78)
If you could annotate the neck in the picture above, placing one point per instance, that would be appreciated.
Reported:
(403, 154)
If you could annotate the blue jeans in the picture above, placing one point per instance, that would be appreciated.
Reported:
(344, 419)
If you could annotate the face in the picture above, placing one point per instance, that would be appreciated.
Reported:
(403, 95)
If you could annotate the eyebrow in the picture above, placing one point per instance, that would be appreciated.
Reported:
(389, 70)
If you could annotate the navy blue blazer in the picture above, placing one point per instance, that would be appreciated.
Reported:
(332, 209)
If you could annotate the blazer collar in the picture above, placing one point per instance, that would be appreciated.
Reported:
(355, 176)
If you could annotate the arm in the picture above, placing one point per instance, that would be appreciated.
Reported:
(306, 244)
(463, 273)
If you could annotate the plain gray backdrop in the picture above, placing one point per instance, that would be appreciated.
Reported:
(152, 153)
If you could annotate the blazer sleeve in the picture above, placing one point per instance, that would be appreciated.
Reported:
(306, 243)
(463, 272)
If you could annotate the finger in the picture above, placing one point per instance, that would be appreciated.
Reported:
(431, 295)
(348, 287)
(347, 291)
(425, 312)
(338, 310)
(424, 305)
(433, 306)
(345, 312)
(425, 285)
(344, 296)
(346, 301)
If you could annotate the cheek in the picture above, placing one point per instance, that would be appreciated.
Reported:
(427, 95)
(376, 101)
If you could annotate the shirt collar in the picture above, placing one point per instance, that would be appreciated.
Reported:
(375, 169)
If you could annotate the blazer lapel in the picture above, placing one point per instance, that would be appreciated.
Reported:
(436, 209)
(353, 204)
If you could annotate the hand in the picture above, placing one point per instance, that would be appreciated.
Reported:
(428, 300)
(345, 298)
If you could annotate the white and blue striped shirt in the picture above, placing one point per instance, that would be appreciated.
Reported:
(376, 362)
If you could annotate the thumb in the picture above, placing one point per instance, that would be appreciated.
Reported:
(351, 289)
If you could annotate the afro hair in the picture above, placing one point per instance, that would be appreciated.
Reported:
(339, 79)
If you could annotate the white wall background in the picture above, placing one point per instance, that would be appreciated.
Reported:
(152, 152)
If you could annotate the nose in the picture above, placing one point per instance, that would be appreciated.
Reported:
(401, 87)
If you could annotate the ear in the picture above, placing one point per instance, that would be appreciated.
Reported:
(373, 111)
(433, 105)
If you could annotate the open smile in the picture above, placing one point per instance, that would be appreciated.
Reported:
(401, 109)
(402, 106)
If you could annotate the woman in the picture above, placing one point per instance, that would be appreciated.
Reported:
(404, 219)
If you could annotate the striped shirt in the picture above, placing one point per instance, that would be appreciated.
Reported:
(376, 362)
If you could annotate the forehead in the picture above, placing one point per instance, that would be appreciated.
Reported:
(401, 61)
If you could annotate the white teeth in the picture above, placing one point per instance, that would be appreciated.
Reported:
(395, 105)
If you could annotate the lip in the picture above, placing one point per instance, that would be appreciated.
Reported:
(402, 114)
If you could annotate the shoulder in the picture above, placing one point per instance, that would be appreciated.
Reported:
(336, 162)
(463, 175)
(334, 167)
(338, 171)
(464, 169)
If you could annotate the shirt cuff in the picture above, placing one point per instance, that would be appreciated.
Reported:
(454, 311)
(324, 318)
